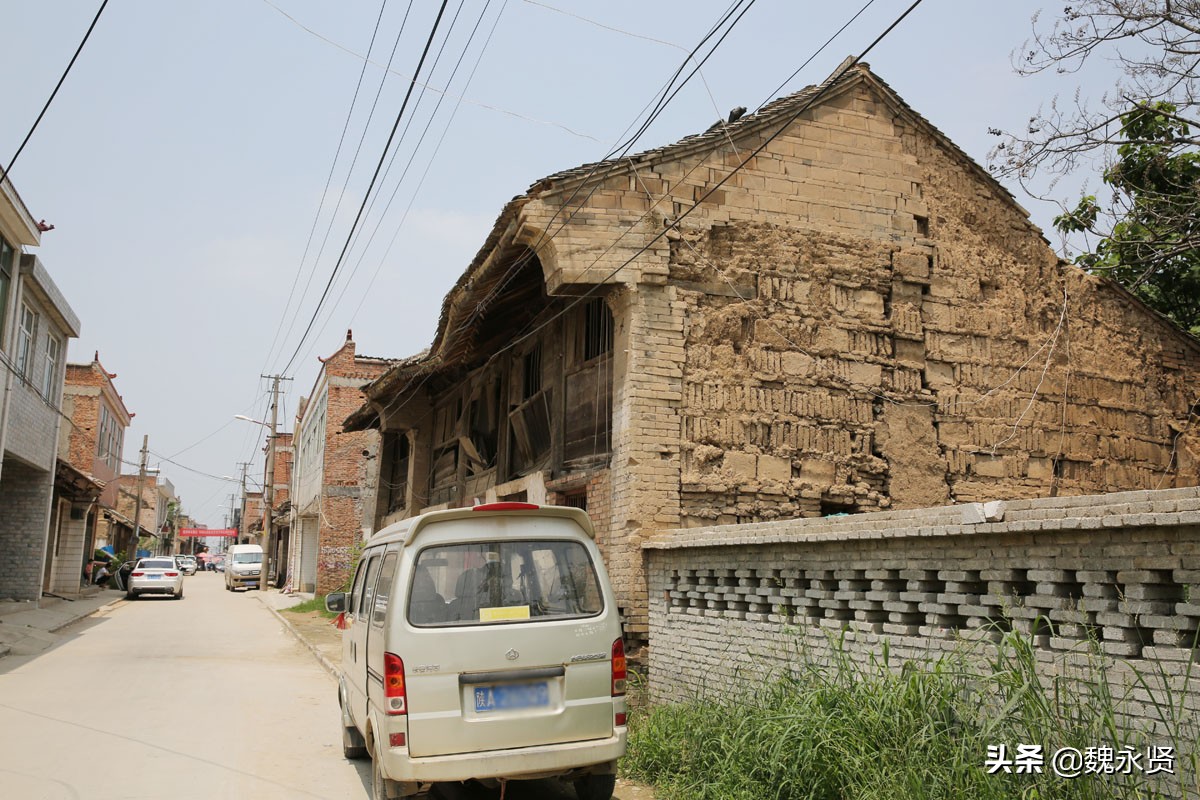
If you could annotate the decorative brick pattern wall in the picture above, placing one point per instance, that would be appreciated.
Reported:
(1120, 573)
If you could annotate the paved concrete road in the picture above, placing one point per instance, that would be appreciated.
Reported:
(206, 697)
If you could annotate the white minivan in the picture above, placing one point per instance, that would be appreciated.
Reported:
(483, 644)
(243, 566)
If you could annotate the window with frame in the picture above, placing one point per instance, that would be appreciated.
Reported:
(597, 332)
(531, 372)
(396, 477)
(383, 590)
(50, 369)
(356, 588)
(366, 600)
(108, 439)
(26, 336)
(7, 256)
(501, 582)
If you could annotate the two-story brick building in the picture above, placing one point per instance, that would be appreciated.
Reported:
(148, 500)
(36, 323)
(334, 472)
(91, 446)
(818, 308)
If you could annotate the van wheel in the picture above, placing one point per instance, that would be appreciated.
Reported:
(378, 782)
(595, 787)
(353, 746)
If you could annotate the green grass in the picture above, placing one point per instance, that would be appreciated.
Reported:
(316, 604)
(848, 732)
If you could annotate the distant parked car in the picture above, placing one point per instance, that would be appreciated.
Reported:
(157, 575)
(218, 563)
(187, 564)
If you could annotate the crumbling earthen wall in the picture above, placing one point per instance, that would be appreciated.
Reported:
(839, 369)
(857, 318)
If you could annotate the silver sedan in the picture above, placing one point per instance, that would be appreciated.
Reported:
(155, 576)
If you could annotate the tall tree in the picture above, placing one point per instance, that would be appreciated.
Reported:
(1153, 246)
(1146, 233)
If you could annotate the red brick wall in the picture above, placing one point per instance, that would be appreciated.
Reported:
(86, 388)
(349, 475)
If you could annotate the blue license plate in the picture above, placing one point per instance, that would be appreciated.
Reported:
(511, 696)
(154, 577)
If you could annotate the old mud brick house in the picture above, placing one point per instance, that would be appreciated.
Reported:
(858, 318)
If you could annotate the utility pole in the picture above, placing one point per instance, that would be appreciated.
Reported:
(137, 503)
(269, 484)
(239, 515)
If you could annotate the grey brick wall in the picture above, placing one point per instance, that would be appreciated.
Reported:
(32, 427)
(1117, 575)
(24, 516)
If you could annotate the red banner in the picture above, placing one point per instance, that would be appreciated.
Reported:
(202, 532)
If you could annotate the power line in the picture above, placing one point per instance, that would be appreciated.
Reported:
(349, 172)
(408, 126)
(163, 458)
(412, 157)
(370, 187)
(437, 148)
(460, 98)
(325, 192)
(818, 52)
(850, 63)
(410, 389)
(53, 94)
(611, 163)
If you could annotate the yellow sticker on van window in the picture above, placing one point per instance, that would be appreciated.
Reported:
(503, 612)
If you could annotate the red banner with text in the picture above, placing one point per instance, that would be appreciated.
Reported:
(202, 532)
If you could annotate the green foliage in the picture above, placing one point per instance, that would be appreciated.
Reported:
(844, 731)
(1153, 247)
(308, 606)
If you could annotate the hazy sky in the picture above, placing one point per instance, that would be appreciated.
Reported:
(185, 161)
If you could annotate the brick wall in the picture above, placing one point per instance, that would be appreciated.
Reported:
(350, 467)
(1116, 573)
(859, 319)
(25, 500)
(87, 388)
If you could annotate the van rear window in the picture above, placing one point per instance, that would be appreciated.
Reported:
(501, 582)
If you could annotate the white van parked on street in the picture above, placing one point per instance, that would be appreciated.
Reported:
(243, 566)
(483, 644)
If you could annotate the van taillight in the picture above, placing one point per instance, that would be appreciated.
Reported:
(618, 668)
(393, 684)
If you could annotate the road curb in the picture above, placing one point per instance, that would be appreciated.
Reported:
(93, 612)
(329, 666)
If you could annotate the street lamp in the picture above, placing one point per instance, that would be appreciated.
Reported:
(268, 494)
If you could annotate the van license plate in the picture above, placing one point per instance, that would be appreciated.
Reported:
(511, 696)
